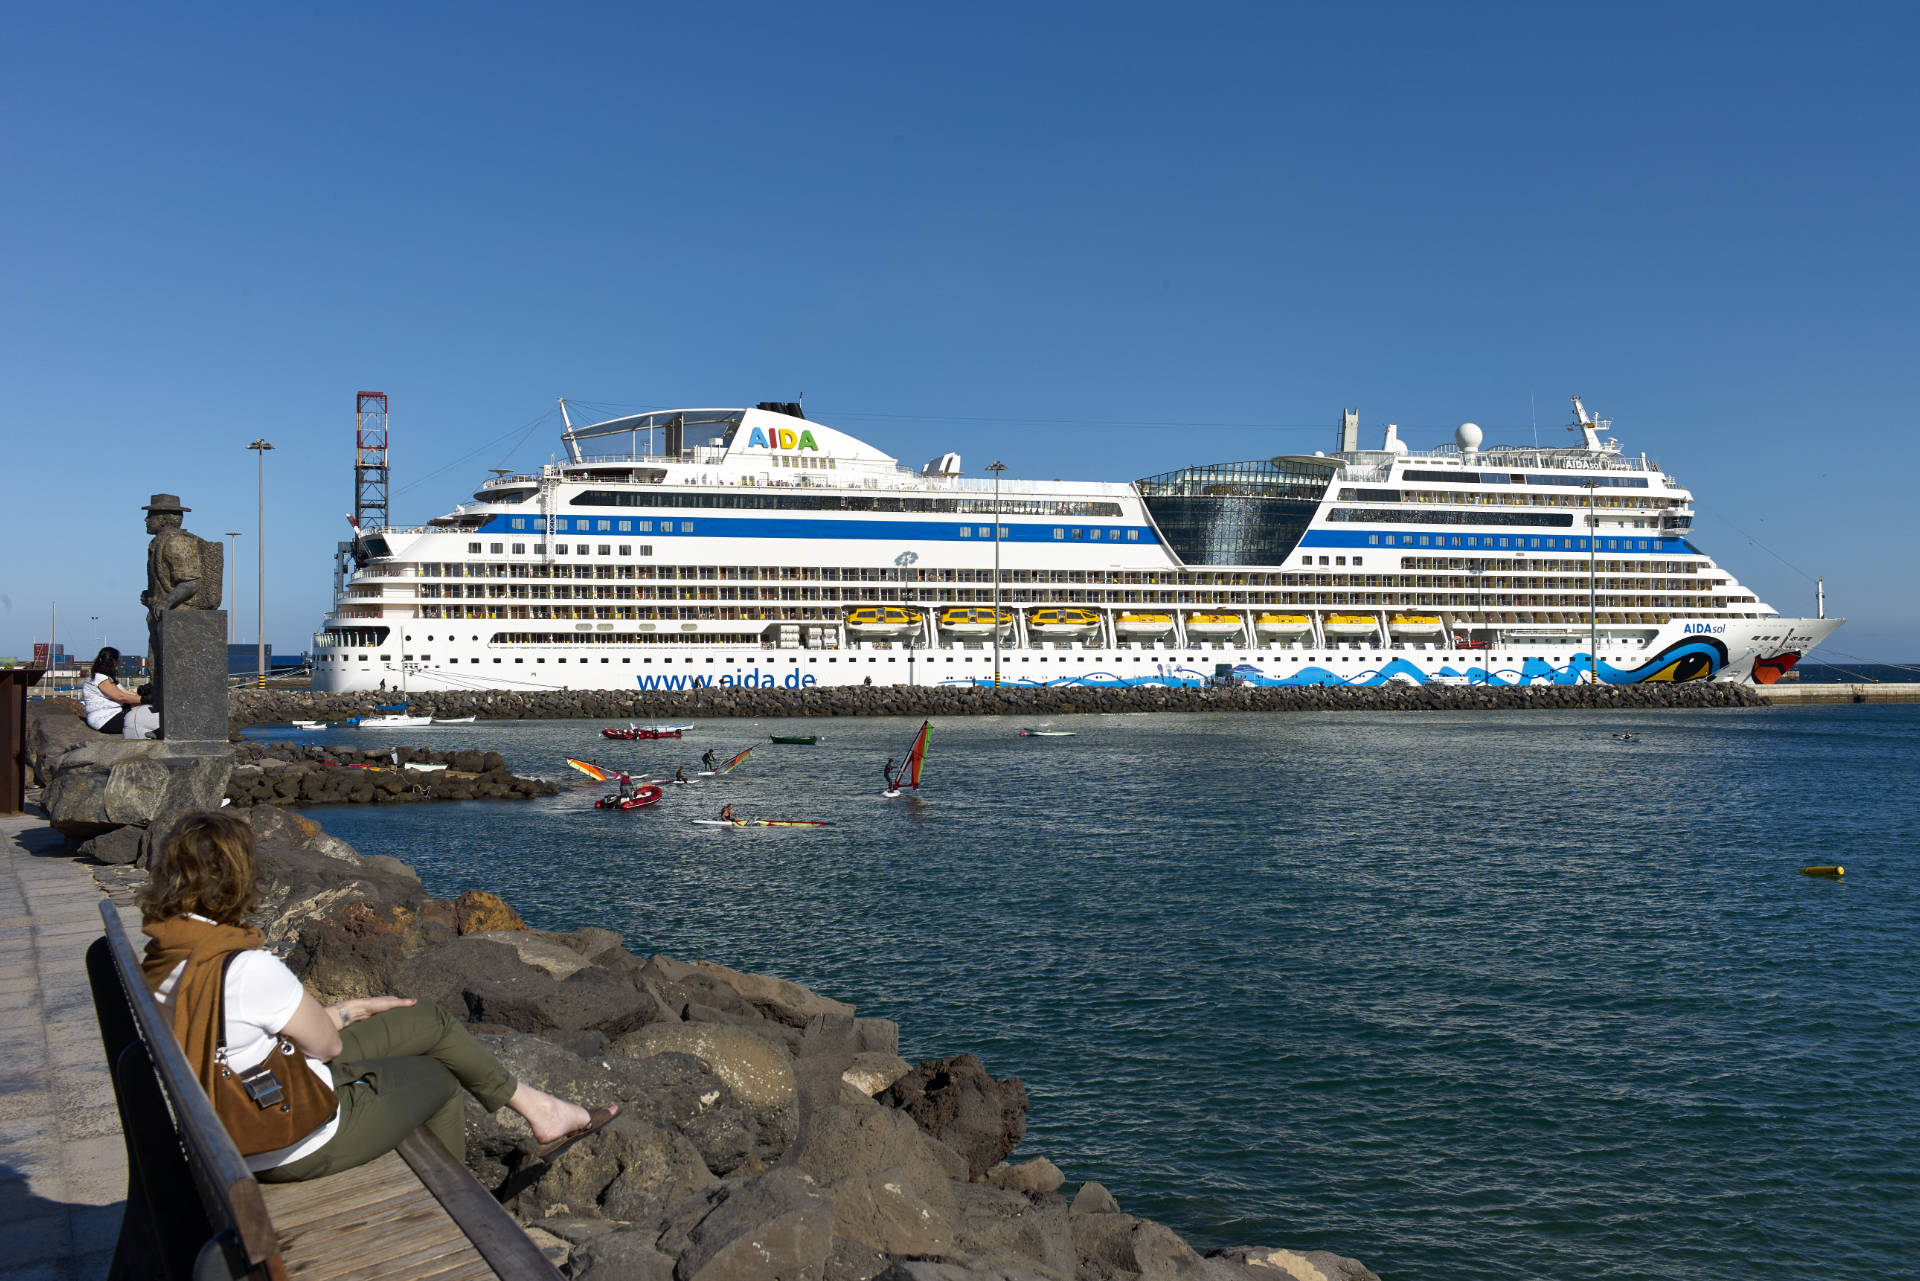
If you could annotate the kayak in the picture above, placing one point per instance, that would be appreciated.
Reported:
(761, 822)
(801, 740)
(641, 732)
(641, 798)
(1047, 733)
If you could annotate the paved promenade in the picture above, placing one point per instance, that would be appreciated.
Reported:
(63, 1171)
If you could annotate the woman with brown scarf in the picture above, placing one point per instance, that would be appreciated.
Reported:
(389, 1063)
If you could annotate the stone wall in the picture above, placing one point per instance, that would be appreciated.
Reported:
(266, 707)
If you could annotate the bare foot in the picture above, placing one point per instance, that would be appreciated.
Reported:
(549, 1117)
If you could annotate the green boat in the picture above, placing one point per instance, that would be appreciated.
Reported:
(803, 740)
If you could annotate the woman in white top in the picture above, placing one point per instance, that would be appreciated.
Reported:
(104, 702)
(394, 1063)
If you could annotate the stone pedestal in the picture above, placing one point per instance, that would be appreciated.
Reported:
(193, 675)
(113, 782)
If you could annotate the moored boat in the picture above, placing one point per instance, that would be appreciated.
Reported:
(633, 732)
(309, 724)
(392, 720)
(796, 740)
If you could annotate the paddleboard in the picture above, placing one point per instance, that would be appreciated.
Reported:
(761, 822)
(1048, 733)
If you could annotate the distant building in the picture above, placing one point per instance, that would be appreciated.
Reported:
(242, 659)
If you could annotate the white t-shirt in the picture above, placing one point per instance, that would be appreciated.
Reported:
(99, 708)
(262, 994)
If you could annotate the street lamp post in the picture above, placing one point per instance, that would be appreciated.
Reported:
(260, 448)
(996, 467)
(1593, 599)
(233, 583)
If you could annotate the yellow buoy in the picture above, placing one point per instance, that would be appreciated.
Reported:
(1823, 871)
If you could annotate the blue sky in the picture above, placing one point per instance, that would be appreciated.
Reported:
(1098, 242)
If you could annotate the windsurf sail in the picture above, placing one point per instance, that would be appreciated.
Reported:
(588, 768)
(909, 775)
(730, 764)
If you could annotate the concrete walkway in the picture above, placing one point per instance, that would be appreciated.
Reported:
(63, 1170)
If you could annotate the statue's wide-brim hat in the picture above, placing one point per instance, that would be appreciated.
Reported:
(165, 503)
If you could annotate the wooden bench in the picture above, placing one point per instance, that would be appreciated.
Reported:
(195, 1211)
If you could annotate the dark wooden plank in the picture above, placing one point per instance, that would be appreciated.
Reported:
(501, 1241)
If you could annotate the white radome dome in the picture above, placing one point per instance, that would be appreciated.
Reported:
(1467, 436)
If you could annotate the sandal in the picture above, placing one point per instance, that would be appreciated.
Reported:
(595, 1120)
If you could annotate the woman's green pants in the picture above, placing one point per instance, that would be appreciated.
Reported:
(395, 1071)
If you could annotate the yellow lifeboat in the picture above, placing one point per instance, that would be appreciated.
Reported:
(1282, 626)
(1056, 622)
(1416, 626)
(881, 622)
(1209, 627)
(1350, 626)
(972, 620)
(1142, 626)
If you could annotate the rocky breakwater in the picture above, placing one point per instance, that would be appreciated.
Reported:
(766, 1133)
(262, 707)
(307, 774)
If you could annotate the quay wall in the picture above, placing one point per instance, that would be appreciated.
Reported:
(1870, 692)
(270, 707)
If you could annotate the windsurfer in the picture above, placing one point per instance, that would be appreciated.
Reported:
(680, 774)
(886, 772)
(709, 760)
(727, 815)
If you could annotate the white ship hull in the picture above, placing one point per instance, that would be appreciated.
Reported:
(782, 554)
(1679, 651)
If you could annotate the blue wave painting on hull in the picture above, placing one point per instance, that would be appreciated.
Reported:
(1694, 659)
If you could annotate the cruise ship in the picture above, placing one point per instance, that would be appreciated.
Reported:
(753, 547)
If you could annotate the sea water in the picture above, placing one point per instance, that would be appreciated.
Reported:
(1464, 995)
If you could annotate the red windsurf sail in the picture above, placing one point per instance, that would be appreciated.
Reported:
(916, 758)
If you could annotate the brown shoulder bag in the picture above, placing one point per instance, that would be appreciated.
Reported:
(271, 1106)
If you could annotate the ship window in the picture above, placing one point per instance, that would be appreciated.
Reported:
(1133, 535)
(495, 548)
(497, 660)
(1093, 534)
(986, 531)
(1326, 560)
(1339, 560)
(473, 548)
(519, 549)
(626, 527)
(1373, 540)
(519, 522)
(686, 527)
(606, 550)
(626, 549)
(1356, 560)
(603, 525)
(1059, 533)
(966, 531)
(539, 549)
(1080, 533)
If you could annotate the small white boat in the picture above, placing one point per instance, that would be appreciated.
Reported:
(453, 720)
(394, 720)
(424, 767)
(309, 724)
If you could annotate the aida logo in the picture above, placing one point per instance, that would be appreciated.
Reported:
(782, 438)
(1703, 629)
